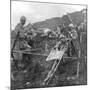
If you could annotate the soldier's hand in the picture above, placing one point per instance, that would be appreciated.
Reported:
(29, 46)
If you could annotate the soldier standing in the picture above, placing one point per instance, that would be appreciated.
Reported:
(20, 43)
(74, 44)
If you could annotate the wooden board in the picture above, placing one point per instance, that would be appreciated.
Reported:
(56, 54)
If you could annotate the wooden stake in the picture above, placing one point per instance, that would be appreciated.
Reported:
(78, 64)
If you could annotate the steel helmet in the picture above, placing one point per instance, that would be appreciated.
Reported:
(71, 25)
(23, 18)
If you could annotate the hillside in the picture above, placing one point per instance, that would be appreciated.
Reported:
(52, 23)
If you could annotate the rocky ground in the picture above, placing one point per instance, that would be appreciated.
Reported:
(66, 74)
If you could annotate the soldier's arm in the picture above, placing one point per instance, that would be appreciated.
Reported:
(17, 34)
(12, 57)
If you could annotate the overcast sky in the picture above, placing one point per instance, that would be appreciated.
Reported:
(35, 12)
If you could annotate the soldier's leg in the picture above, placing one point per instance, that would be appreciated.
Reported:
(27, 61)
(68, 50)
(76, 48)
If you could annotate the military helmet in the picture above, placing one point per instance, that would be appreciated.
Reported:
(71, 25)
(22, 19)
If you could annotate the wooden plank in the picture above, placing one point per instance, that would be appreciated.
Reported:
(45, 55)
(55, 54)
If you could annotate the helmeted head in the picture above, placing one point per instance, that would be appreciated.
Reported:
(22, 20)
(71, 25)
(73, 34)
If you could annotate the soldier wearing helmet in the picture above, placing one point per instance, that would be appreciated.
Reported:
(22, 20)
(20, 43)
(74, 44)
(20, 29)
(20, 26)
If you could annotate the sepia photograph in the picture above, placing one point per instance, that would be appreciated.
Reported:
(48, 44)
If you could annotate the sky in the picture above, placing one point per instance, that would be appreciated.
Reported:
(35, 12)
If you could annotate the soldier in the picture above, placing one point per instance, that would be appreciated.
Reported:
(20, 28)
(74, 44)
(20, 43)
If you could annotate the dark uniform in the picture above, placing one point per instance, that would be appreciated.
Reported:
(74, 44)
(73, 47)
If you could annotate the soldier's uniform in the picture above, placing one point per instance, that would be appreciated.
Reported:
(74, 44)
(21, 43)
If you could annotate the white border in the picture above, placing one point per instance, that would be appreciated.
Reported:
(5, 44)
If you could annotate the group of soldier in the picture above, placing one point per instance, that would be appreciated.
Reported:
(23, 37)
